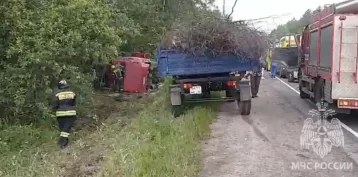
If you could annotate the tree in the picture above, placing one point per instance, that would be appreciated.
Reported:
(291, 27)
(42, 41)
(47, 41)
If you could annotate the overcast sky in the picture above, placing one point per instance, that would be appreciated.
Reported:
(252, 9)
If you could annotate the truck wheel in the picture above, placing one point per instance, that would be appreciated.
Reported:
(177, 110)
(303, 95)
(206, 94)
(244, 107)
(228, 94)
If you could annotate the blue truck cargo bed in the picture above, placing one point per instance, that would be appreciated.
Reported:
(176, 63)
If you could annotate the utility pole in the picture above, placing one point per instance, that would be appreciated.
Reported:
(224, 7)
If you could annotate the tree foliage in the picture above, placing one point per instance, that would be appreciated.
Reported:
(43, 41)
(293, 26)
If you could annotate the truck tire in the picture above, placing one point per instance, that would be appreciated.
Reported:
(303, 95)
(229, 94)
(244, 107)
(177, 110)
(206, 94)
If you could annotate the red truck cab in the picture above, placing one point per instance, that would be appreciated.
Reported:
(136, 72)
(329, 57)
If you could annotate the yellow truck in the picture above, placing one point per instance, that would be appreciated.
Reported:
(285, 42)
(288, 41)
(286, 54)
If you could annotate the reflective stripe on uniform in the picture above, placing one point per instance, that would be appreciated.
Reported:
(65, 113)
(65, 95)
(64, 134)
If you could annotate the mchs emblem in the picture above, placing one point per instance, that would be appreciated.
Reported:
(319, 133)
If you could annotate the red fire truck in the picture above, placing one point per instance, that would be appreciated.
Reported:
(329, 57)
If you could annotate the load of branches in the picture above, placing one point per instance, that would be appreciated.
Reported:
(213, 36)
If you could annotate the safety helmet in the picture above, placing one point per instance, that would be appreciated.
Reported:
(62, 84)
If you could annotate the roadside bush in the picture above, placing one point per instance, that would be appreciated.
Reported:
(44, 41)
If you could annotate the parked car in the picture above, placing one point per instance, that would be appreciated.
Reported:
(282, 69)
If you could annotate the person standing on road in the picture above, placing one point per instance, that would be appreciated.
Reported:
(255, 79)
(274, 68)
(63, 103)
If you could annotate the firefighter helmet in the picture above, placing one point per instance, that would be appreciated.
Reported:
(62, 84)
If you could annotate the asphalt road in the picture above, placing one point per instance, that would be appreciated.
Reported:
(349, 120)
(267, 142)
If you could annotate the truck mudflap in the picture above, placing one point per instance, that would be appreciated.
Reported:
(175, 96)
(244, 88)
(244, 97)
(176, 100)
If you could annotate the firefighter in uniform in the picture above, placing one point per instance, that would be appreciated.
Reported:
(64, 102)
(118, 72)
(113, 77)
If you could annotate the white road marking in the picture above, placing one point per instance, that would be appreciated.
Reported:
(293, 89)
(343, 125)
(349, 130)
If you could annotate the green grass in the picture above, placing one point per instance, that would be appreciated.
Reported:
(153, 144)
(156, 144)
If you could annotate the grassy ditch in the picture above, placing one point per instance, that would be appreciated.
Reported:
(156, 144)
(143, 139)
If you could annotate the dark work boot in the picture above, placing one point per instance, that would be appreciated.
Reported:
(62, 142)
